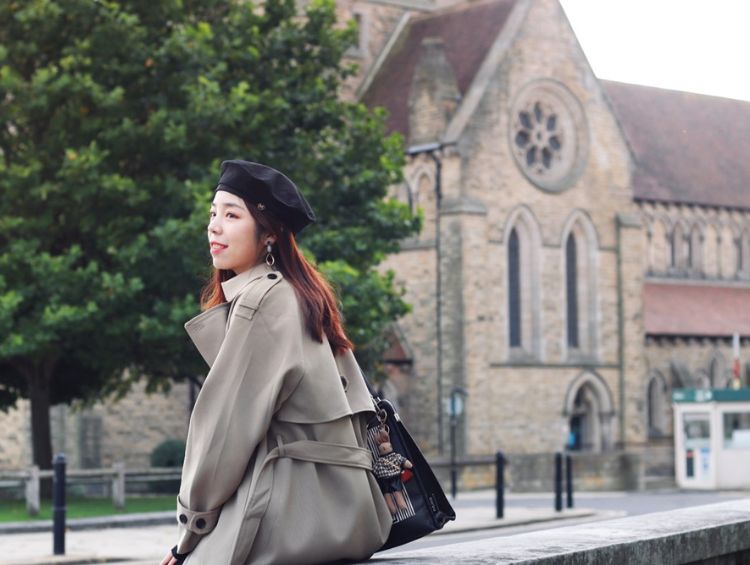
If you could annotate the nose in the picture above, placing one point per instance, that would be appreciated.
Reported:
(213, 225)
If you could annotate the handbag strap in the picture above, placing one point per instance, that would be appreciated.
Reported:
(369, 386)
(380, 414)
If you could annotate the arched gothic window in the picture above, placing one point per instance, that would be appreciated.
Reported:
(660, 248)
(694, 244)
(579, 264)
(657, 406)
(738, 255)
(423, 198)
(571, 291)
(743, 254)
(523, 286)
(718, 374)
(514, 289)
(679, 248)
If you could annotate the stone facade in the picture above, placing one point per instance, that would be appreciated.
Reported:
(696, 245)
(487, 194)
(536, 163)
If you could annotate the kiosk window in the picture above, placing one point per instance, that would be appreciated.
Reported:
(737, 430)
(696, 427)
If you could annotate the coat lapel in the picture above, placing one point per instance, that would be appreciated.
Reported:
(207, 331)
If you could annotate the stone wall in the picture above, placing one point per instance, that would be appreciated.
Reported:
(704, 241)
(15, 437)
(97, 436)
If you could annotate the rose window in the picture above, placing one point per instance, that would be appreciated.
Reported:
(548, 135)
(538, 138)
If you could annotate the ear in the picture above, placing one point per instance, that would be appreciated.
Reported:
(269, 239)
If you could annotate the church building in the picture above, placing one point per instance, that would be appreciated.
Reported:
(586, 243)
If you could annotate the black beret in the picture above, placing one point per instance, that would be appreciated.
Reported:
(268, 189)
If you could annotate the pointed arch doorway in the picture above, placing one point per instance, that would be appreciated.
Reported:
(589, 413)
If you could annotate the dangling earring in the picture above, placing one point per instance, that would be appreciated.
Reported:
(270, 260)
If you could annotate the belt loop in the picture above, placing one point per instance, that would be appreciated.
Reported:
(280, 446)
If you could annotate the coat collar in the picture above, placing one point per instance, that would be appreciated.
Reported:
(207, 329)
(233, 286)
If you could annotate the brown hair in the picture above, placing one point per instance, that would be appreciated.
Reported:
(316, 297)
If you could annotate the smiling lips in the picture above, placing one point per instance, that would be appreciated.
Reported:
(217, 247)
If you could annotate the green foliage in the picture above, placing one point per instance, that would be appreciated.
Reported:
(169, 453)
(115, 116)
(367, 301)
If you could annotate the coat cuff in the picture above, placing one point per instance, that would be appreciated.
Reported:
(197, 522)
(187, 542)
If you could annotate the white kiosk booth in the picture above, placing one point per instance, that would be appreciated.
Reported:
(712, 438)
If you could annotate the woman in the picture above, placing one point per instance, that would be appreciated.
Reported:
(276, 468)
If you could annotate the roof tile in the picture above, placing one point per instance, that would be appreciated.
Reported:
(682, 309)
(688, 147)
(468, 32)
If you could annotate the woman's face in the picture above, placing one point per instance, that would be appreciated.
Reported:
(232, 235)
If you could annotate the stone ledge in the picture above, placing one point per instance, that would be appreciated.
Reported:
(691, 535)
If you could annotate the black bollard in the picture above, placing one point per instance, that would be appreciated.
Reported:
(569, 479)
(58, 505)
(558, 482)
(499, 484)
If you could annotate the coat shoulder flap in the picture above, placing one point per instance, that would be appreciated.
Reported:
(251, 297)
(320, 396)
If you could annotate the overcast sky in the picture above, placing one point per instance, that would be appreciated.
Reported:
(694, 45)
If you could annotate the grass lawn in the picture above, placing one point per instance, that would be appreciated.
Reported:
(15, 510)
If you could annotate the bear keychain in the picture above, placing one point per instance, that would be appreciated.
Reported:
(388, 470)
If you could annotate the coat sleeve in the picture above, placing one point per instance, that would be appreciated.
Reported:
(258, 366)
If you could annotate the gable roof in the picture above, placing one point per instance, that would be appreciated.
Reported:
(687, 147)
(468, 31)
(695, 310)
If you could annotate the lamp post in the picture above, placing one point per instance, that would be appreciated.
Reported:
(433, 149)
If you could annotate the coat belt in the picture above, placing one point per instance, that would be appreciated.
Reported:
(325, 452)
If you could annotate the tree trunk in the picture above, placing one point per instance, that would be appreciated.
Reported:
(41, 440)
(40, 426)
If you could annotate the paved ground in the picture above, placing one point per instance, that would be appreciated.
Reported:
(632, 503)
(475, 510)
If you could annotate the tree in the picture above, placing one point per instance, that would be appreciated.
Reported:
(114, 117)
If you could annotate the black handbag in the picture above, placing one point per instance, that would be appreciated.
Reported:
(427, 508)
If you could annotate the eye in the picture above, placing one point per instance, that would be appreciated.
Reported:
(231, 215)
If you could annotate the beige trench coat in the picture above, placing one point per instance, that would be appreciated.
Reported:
(276, 468)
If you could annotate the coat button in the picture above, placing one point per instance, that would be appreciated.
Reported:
(272, 276)
(200, 523)
(183, 519)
